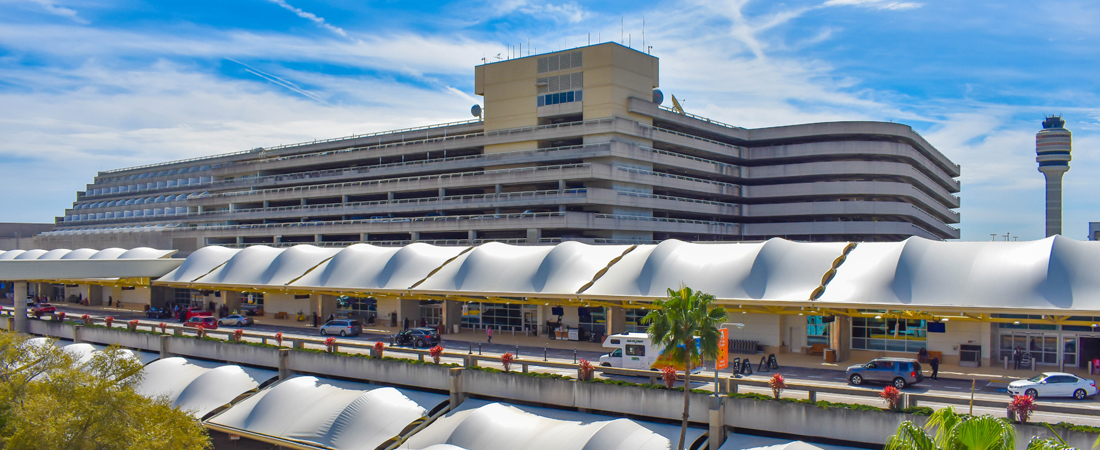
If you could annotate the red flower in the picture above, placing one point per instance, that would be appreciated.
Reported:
(279, 338)
(61, 316)
(238, 334)
(587, 372)
(778, 384)
(378, 347)
(109, 320)
(162, 326)
(330, 343)
(668, 375)
(892, 396)
(1022, 406)
(507, 359)
(435, 352)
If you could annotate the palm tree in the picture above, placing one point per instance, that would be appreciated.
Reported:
(674, 324)
(955, 432)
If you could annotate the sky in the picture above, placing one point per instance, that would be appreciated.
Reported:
(91, 85)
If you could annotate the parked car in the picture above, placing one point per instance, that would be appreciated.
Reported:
(158, 313)
(43, 308)
(235, 320)
(207, 322)
(900, 372)
(188, 313)
(342, 327)
(417, 337)
(1054, 384)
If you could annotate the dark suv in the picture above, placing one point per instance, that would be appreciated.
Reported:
(899, 372)
(417, 337)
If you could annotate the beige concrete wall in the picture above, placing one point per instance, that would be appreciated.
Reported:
(275, 303)
(613, 74)
(509, 91)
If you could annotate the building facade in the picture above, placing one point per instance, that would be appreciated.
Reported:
(572, 146)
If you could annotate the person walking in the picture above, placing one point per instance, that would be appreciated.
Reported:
(935, 363)
(489, 332)
(331, 317)
(109, 300)
(406, 324)
(1017, 355)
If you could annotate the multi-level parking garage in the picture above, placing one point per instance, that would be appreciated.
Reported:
(603, 164)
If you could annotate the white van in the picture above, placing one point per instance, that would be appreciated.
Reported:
(637, 351)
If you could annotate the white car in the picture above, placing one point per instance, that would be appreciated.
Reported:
(1054, 384)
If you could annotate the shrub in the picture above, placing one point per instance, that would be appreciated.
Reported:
(1022, 406)
(330, 343)
(132, 325)
(200, 331)
(892, 396)
(163, 326)
(587, 372)
(378, 347)
(279, 338)
(87, 319)
(38, 314)
(507, 359)
(109, 320)
(778, 384)
(668, 374)
(237, 335)
(436, 352)
(61, 316)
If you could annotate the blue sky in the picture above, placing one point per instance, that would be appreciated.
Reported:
(89, 85)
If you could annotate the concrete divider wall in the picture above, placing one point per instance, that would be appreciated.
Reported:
(661, 403)
(807, 420)
(427, 376)
(128, 339)
(519, 387)
(224, 351)
(52, 329)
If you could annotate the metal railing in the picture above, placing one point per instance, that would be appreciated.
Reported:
(701, 118)
(678, 177)
(377, 221)
(678, 199)
(379, 133)
(664, 219)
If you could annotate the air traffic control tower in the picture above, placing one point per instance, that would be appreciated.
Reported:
(1052, 152)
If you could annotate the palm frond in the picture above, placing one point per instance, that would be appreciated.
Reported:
(910, 437)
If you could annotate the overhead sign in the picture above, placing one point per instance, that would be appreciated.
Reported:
(723, 360)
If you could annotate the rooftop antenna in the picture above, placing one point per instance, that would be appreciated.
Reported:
(643, 31)
(622, 28)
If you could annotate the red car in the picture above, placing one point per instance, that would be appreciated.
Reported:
(195, 312)
(208, 323)
(43, 308)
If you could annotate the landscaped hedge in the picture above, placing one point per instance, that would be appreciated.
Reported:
(915, 410)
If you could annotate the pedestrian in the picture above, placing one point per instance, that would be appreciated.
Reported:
(109, 300)
(331, 317)
(489, 332)
(406, 324)
(1017, 356)
(935, 363)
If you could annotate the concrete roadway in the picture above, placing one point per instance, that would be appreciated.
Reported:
(959, 388)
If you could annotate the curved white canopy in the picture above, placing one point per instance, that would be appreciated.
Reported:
(774, 270)
(199, 263)
(1055, 273)
(750, 442)
(64, 264)
(329, 413)
(481, 425)
(500, 268)
(265, 266)
(363, 266)
(199, 386)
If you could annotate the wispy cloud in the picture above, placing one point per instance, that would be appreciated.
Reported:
(875, 4)
(52, 8)
(281, 82)
(320, 21)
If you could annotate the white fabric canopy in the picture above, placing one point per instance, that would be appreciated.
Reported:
(330, 413)
(774, 270)
(199, 263)
(197, 386)
(1055, 273)
(480, 425)
(749, 442)
(363, 266)
(84, 253)
(265, 266)
(501, 268)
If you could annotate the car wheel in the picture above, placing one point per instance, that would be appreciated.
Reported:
(343, 333)
(1080, 394)
(419, 343)
(238, 323)
(323, 332)
(856, 379)
(899, 383)
(606, 364)
(1032, 393)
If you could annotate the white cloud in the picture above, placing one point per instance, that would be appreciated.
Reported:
(320, 21)
(51, 7)
(875, 4)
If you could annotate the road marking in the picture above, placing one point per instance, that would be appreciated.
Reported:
(818, 376)
(952, 387)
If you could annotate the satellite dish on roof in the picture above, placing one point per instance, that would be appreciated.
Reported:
(475, 110)
(658, 96)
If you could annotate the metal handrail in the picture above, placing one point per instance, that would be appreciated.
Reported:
(381, 220)
(662, 219)
(505, 195)
(678, 177)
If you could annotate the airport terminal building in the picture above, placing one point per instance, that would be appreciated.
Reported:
(573, 146)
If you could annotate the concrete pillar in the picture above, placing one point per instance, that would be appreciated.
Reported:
(232, 207)
(840, 337)
(414, 236)
(164, 352)
(717, 416)
(276, 239)
(284, 370)
(316, 238)
(76, 334)
(20, 307)
(363, 237)
(455, 387)
(471, 236)
(389, 196)
(442, 192)
(561, 185)
(616, 320)
(499, 189)
(343, 199)
(533, 235)
(240, 239)
(327, 304)
(452, 315)
(303, 202)
(200, 210)
(267, 204)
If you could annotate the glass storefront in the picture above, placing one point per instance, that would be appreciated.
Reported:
(893, 335)
(593, 320)
(817, 332)
(634, 320)
(1049, 344)
(431, 312)
(359, 308)
(499, 316)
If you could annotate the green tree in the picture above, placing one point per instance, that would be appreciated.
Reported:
(50, 400)
(954, 431)
(675, 322)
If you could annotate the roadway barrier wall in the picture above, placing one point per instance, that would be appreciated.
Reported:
(424, 376)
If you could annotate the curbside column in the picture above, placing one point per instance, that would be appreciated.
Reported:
(455, 385)
(164, 352)
(284, 370)
(19, 307)
(76, 333)
(717, 428)
(811, 395)
(297, 344)
(11, 324)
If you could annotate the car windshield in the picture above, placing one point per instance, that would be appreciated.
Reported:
(1037, 378)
